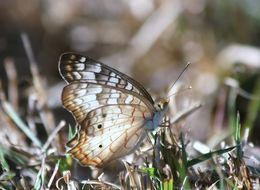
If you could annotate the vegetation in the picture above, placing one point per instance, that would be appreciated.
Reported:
(209, 139)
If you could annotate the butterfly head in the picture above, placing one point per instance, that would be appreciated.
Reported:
(161, 105)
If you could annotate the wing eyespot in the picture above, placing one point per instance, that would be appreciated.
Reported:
(100, 146)
(99, 126)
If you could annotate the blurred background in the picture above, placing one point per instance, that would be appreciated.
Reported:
(152, 41)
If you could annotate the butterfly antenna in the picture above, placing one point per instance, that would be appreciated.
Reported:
(179, 76)
(185, 68)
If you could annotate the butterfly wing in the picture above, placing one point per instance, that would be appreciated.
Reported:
(103, 139)
(74, 67)
(111, 108)
(91, 81)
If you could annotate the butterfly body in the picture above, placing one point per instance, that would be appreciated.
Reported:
(155, 121)
(113, 110)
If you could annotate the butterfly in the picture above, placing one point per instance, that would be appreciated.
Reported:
(114, 111)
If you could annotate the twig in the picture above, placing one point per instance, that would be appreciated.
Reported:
(11, 112)
(53, 174)
(8, 126)
(52, 135)
(41, 175)
(101, 183)
(12, 80)
(45, 113)
(32, 101)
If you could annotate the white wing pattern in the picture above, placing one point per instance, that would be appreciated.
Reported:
(110, 107)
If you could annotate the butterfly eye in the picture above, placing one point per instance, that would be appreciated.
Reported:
(99, 126)
(165, 103)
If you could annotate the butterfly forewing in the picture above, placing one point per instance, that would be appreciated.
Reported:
(74, 67)
(80, 98)
(110, 107)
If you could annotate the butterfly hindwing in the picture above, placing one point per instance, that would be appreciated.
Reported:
(103, 121)
(121, 130)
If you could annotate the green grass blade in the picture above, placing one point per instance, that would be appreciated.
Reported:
(208, 156)
(238, 136)
(12, 155)
(183, 167)
(253, 108)
(238, 129)
(72, 132)
(232, 109)
(40, 178)
(3, 162)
